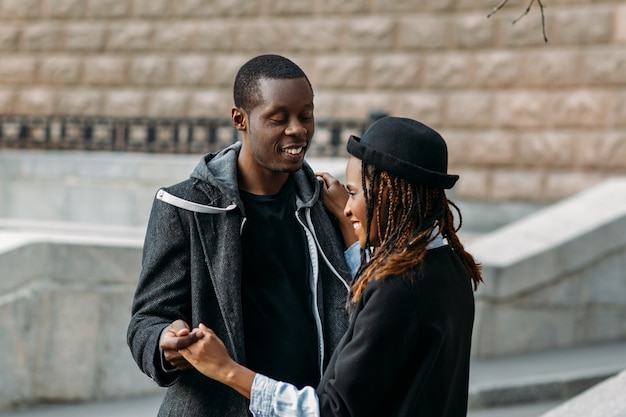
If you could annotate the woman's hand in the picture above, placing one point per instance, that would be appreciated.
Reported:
(335, 194)
(210, 357)
(335, 197)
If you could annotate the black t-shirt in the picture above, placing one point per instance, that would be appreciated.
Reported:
(279, 327)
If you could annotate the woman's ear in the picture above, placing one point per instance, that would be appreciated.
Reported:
(239, 119)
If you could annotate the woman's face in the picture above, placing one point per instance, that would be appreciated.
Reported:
(356, 206)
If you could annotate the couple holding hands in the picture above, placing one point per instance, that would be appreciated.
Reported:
(269, 290)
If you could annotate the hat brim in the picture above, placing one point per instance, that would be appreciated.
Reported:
(399, 168)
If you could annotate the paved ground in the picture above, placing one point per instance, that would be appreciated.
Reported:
(525, 373)
(148, 406)
(135, 407)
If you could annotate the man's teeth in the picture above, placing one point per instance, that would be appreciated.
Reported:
(293, 151)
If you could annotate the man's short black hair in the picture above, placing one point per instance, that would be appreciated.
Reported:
(246, 91)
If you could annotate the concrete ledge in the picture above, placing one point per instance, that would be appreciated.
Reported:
(117, 188)
(534, 390)
(555, 278)
(97, 187)
(113, 188)
(547, 376)
(557, 240)
(606, 399)
(65, 300)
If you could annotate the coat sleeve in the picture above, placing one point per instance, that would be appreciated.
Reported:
(163, 290)
(271, 398)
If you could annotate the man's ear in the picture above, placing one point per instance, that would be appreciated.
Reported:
(239, 119)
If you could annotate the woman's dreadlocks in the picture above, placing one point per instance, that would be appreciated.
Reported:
(406, 216)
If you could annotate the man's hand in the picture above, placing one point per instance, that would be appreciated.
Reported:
(174, 337)
(210, 357)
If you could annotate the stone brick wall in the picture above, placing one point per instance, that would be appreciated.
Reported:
(524, 120)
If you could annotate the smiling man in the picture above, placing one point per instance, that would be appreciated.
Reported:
(277, 124)
(245, 246)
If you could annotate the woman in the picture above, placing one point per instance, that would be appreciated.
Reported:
(407, 349)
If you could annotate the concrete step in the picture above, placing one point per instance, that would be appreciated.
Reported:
(549, 376)
(524, 410)
(515, 386)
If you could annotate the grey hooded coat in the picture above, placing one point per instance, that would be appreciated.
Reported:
(191, 270)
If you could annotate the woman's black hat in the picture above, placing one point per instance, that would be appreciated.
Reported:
(405, 148)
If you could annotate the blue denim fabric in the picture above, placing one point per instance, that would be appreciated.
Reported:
(438, 242)
(270, 398)
(353, 253)
(353, 257)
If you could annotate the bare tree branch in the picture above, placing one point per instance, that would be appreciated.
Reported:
(526, 11)
(543, 21)
(498, 7)
(530, 5)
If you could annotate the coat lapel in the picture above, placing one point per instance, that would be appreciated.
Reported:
(222, 254)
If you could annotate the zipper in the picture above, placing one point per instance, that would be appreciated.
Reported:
(313, 245)
(328, 263)
(316, 314)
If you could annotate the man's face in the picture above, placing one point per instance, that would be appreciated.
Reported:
(281, 126)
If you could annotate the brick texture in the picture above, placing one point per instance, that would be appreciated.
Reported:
(525, 120)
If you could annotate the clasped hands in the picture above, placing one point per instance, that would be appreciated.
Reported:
(199, 348)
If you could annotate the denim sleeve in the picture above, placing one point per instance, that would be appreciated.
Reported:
(270, 398)
(353, 257)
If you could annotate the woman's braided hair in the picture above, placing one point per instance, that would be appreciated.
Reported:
(406, 216)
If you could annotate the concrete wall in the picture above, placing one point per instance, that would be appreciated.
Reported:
(525, 120)
(65, 297)
(556, 278)
(118, 188)
(79, 187)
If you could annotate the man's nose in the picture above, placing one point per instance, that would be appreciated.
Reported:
(296, 128)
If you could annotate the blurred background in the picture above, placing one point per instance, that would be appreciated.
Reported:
(104, 101)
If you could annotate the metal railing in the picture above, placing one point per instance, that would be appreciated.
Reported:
(158, 135)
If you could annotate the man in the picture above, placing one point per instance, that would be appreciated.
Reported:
(225, 248)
